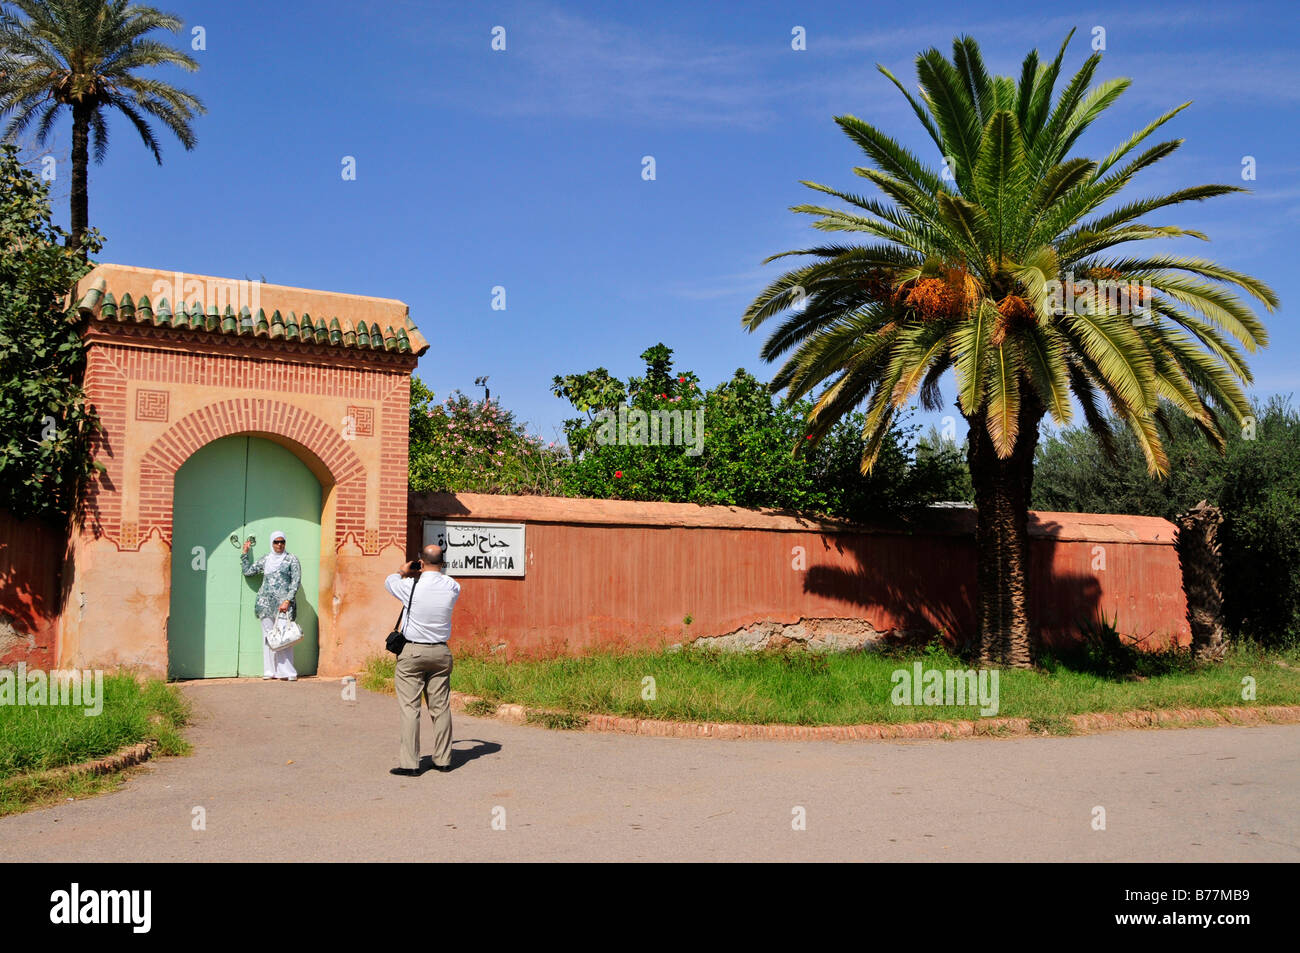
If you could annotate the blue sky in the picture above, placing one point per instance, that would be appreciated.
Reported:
(522, 168)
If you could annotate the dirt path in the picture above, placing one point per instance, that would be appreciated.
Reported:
(1221, 794)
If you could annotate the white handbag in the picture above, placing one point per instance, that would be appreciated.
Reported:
(285, 633)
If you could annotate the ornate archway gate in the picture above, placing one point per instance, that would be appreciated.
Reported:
(176, 362)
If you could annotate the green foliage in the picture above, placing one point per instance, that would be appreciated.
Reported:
(463, 445)
(850, 688)
(1256, 483)
(589, 393)
(901, 481)
(752, 452)
(47, 431)
(480, 708)
(39, 737)
(557, 720)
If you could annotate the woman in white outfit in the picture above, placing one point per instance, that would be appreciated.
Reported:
(281, 575)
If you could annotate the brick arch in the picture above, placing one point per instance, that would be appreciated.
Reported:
(249, 415)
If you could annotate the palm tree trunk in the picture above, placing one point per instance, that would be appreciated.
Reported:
(1002, 487)
(1199, 557)
(80, 212)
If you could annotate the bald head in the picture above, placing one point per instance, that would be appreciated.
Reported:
(431, 555)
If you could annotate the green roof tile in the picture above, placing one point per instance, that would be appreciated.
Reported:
(92, 296)
(98, 301)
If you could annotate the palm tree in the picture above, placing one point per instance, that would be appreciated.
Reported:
(985, 267)
(84, 54)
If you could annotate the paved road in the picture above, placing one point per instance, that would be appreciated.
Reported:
(1222, 794)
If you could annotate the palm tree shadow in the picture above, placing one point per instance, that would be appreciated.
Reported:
(932, 586)
(932, 591)
(462, 756)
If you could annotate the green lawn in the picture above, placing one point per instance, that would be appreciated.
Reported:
(856, 688)
(34, 739)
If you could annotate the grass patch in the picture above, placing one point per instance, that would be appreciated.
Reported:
(35, 739)
(558, 720)
(856, 688)
(481, 708)
(377, 676)
(1051, 725)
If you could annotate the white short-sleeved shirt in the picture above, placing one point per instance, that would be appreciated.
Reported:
(435, 597)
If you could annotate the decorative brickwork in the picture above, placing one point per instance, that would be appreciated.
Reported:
(363, 421)
(114, 366)
(151, 405)
(250, 415)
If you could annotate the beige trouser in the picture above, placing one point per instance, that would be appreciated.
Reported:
(424, 671)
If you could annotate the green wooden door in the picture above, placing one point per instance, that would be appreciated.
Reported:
(282, 495)
(238, 486)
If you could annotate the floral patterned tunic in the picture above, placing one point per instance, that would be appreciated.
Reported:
(277, 586)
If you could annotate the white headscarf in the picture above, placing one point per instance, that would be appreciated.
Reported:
(274, 559)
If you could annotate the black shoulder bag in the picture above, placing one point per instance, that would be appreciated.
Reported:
(396, 640)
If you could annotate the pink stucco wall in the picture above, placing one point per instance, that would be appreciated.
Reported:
(605, 573)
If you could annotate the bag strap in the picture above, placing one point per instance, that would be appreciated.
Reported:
(408, 607)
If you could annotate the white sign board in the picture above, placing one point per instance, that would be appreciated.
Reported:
(478, 549)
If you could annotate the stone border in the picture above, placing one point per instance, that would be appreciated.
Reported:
(123, 758)
(985, 727)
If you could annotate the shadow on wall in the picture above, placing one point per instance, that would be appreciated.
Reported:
(31, 590)
(100, 482)
(911, 586)
(1061, 602)
(916, 586)
(912, 611)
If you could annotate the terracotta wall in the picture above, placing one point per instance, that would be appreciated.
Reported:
(31, 557)
(603, 573)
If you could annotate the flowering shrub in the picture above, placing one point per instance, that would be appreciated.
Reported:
(744, 456)
(464, 445)
(746, 453)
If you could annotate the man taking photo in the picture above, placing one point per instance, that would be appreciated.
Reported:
(424, 665)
